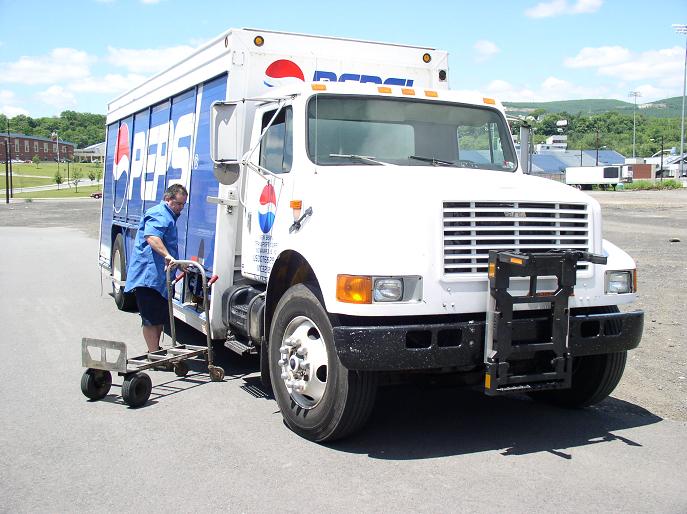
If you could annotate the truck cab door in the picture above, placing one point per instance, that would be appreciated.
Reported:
(267, 179)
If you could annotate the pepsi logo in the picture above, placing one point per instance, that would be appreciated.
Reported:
(267, 209)
(122, 152)
(282, 73)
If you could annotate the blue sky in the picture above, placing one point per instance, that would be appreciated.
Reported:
(79, 54)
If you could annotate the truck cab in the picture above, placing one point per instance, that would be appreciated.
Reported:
(365, 219)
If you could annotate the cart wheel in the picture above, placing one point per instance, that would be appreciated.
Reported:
(181, 369)
(136, 389)
(95, 383)
(216, 373)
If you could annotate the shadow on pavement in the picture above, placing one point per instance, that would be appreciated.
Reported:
(426, 421)
(420, 422)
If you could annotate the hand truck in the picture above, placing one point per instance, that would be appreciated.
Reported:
(101, 356)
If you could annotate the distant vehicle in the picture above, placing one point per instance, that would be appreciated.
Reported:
(97, 194)
(585, 177)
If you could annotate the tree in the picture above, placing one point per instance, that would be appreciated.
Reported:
(58, 179)
(36, 160)
(76, 178)
(91, 175)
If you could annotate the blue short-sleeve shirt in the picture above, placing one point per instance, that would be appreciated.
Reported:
(147, 267)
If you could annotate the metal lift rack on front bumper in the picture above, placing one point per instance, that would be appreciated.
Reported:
(501, 353)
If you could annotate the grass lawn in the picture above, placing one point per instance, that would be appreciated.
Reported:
(48, 169)
(18, 181)
(63, 192)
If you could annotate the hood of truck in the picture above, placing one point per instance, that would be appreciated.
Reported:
(395, 220)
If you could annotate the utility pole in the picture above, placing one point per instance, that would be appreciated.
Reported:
(682, 29)
(8, 185)
(634, 94)
(7, 174)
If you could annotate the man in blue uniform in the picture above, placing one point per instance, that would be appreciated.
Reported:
(155, 248)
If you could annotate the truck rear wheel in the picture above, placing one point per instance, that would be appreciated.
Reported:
(124, 301)
(594, 378)
(319, 398)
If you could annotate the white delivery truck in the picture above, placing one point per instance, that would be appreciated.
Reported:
(585, 177)
(365, 221)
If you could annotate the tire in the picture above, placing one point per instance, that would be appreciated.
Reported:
(319, 399)
(181, 369)
(96, 383)
(124, 301)
(136, 389)
(594, 378)
(265, 366)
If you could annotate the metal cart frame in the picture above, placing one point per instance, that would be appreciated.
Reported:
(101, 356)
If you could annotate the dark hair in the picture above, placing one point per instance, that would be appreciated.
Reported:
(173, 190)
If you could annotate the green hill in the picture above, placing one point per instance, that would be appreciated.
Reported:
(666, 108)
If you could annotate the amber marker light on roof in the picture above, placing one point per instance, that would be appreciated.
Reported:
(432, 94)
(258, 40)
(408, 91)
(426, 58)
(489, 101)
(319, 87)
(353, 289)
(384, 89)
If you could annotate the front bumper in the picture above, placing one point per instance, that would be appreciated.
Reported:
(460, 344)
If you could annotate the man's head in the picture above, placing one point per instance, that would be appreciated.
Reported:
(176, 196)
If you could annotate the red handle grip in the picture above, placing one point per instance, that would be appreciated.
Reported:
(212, 280)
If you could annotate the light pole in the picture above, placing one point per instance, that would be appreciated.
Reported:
(634, 94)
(682, 29)
(56, 137)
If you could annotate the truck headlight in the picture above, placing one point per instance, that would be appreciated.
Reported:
(388, 290)
(619, 282)
(367, 289)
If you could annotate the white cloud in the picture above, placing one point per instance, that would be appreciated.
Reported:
(485, 50)
(8, 104)
(59, 65)
(147, 61)
(111, 83)
(57, 96)
(664, 65)
(601, 56)
(562, 7)
(150, 1)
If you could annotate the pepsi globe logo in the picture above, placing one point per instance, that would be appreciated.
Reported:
(267, 209)
(122, 152)
(282, 73)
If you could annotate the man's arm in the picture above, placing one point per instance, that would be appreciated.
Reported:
(159, 247)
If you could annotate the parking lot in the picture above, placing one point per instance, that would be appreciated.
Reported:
(203, 445)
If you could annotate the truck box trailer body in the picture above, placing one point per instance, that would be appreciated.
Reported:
(350, 205)
(584, 177)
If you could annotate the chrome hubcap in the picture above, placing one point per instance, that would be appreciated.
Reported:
(303, 362)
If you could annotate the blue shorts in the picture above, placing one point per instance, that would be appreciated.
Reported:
(152, 306)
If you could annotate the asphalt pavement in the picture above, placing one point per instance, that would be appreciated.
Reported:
(200, 445)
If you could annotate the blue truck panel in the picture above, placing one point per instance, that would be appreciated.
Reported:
(164, 144)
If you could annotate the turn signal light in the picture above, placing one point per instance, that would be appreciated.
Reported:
(489, 101)
(319, 87)
(353, 289)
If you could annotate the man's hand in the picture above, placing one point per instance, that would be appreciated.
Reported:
(169, 261)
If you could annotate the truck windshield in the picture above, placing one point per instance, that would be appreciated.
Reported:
(407, 132)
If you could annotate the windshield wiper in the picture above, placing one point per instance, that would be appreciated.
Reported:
(461, 163)
(432, 160)
(365, 158)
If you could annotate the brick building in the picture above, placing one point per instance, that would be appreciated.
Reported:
(23, 148)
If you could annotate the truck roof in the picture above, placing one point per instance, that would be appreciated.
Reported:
(257, 59)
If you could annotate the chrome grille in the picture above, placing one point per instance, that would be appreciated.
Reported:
(471, 229)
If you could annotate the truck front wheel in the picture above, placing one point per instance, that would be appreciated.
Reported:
(319, 398)
(594, 378)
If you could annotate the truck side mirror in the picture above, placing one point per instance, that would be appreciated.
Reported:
(226, 140)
